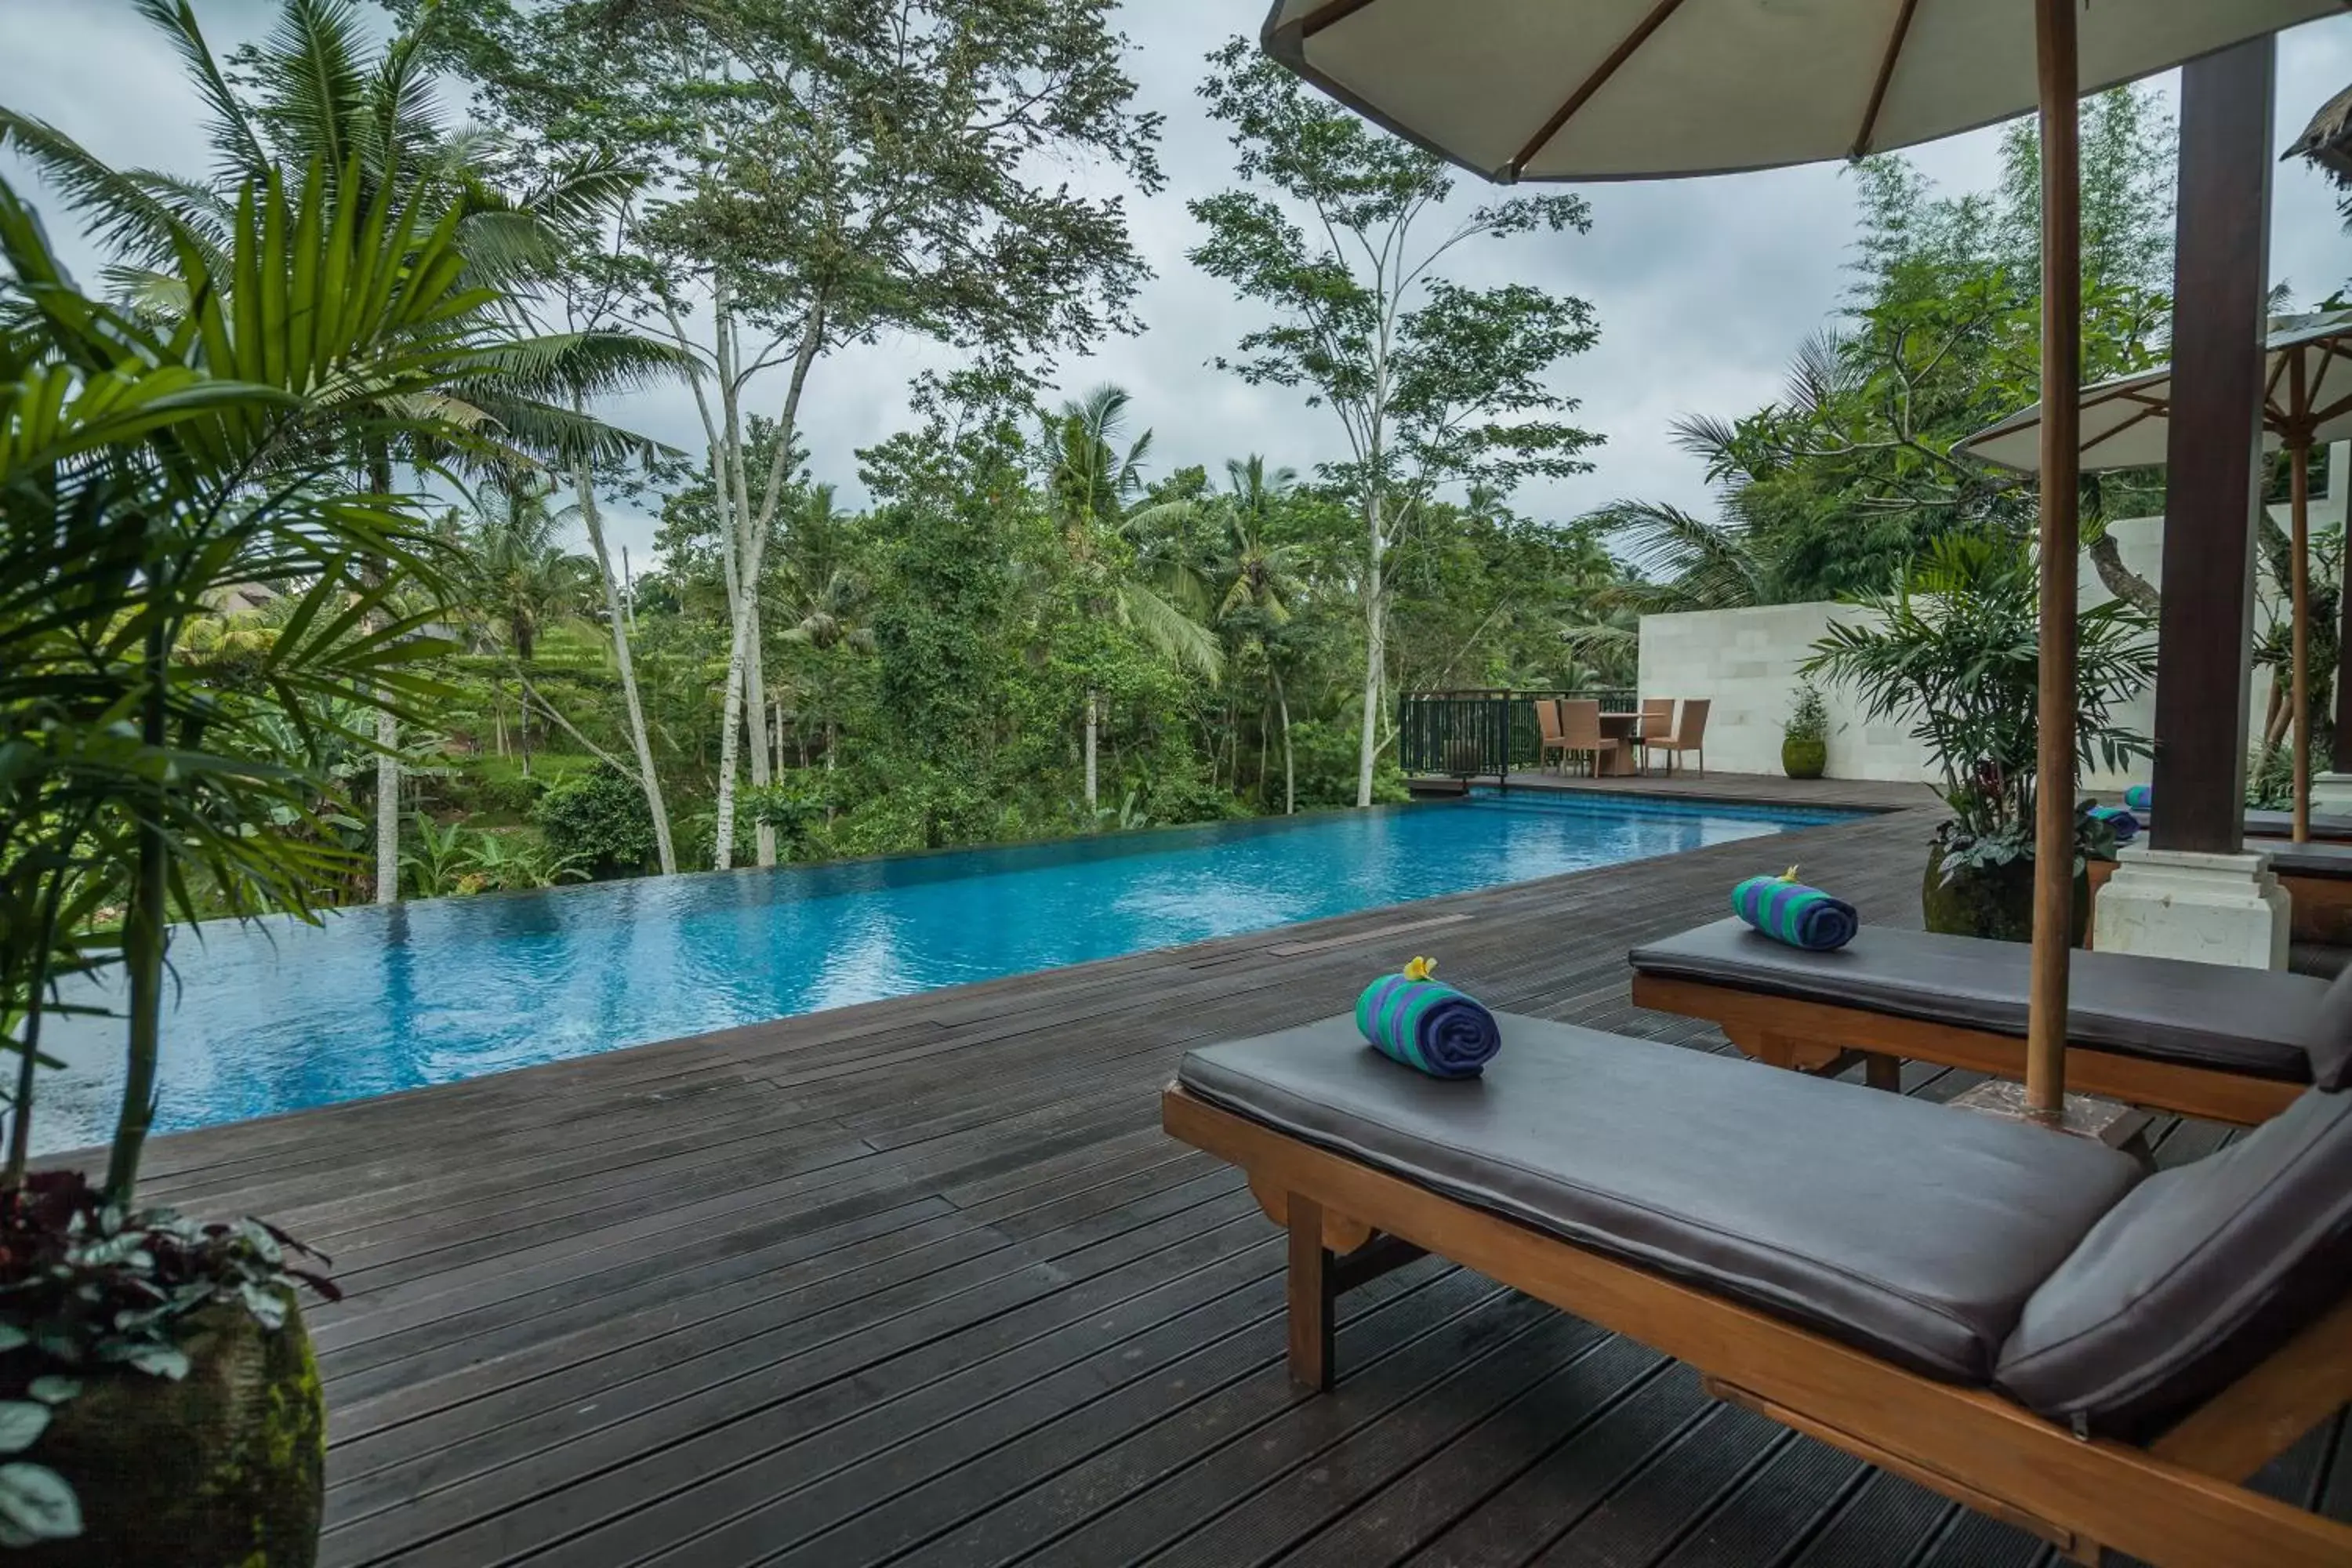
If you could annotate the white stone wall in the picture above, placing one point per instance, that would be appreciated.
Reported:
(1745, 663)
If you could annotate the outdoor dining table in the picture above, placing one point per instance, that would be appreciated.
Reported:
(1623, 761)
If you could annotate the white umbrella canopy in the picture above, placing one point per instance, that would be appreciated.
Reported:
(1635, 90)
(2127, 422)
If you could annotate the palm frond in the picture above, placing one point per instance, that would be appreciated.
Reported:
(229, 131)
(315, 84)
(1706, 565)
(584, 192)
(583, 365)
(1168, 631)
(123, 214)
(1712, 440)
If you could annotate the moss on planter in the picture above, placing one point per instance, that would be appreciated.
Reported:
(224, 1469)
(1804, 756)
(1994, 902)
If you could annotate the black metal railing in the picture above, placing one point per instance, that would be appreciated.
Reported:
(1483, 734)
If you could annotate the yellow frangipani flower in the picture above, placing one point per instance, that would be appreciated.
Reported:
(1421, 969)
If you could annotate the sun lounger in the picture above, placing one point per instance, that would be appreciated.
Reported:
(2318, 877)
(2204, 1040)
(2281, 825)
(2011, 1317)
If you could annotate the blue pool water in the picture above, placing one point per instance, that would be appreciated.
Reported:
(276, 1015)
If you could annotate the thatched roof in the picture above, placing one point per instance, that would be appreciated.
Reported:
(2327, 140)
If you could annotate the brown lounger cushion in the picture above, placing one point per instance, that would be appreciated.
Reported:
(2194, 1277)
(2316, 860)
(1912, 1230)
(2281, 825)
(2328, 1041)
(2251, 1021)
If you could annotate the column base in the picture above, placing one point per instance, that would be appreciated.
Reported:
(2210, 909)
(2332, 793)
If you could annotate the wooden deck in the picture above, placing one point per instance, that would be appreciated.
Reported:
(1684, 784)
(923, 1281)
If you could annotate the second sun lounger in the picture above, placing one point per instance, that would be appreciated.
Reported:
(2200, 1038)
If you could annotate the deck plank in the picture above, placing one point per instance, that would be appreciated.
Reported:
(921, 1282)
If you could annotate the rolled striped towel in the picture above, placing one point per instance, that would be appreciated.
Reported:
(2139, 797)
(2124, 824)
(1429, 1028)
(1790, 911)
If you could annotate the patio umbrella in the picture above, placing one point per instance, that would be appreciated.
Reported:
(1615, 89)
(2307, 403)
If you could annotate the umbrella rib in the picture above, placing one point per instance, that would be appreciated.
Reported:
(2318, 379)
(1593, 84)
(2334, 410)
(1315, 22)
(1886, 77)
(2148, 411)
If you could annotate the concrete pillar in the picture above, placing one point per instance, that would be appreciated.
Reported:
(2194, 891)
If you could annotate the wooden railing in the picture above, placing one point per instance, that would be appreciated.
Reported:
(1484, 733)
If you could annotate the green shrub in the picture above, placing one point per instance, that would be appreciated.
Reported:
(1809, 717)
(1327, 761)
(598, 820)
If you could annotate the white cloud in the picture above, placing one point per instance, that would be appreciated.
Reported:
(1703, 288)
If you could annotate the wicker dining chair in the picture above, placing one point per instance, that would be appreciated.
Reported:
(1551, 736)
(1686, 733)
(1581, 736)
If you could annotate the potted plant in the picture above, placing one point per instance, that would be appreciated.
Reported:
(1805, 738)
(1954, 653)
(159, 1402)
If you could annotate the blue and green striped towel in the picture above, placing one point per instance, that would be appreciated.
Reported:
(1791, 912)
(2124, 824)
(1429, 1028)
(2139, 797)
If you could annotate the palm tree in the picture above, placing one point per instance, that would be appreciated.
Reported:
(1255, 579)
(328, 105)
(522, 577)
(145, 469)
(825, 596)
(1127, 580)
(519, 581)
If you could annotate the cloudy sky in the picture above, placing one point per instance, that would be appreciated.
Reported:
(1703, 288)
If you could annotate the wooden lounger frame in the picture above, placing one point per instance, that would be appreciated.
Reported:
(1824, 1036)
(2177, 1503)
(2319, 908)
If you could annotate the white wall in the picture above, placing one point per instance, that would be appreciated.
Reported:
(1745, 663)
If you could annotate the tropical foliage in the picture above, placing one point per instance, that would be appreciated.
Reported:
(1955, 653)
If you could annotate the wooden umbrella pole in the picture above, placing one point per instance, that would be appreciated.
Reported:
(2298, 453)
(2300, 484)
(2054, 815)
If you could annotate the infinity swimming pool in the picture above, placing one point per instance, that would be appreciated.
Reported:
(278, 1016)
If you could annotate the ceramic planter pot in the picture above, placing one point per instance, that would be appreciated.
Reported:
(1804, 757)
(1992, 901)
(224, 1469)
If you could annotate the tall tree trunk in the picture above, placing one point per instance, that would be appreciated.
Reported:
(2106, 559)
(1375, 655)
(1289, 772)
(1094, 726)
(640, 741)
(146, 934)
(751, 544)
(388, 742)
